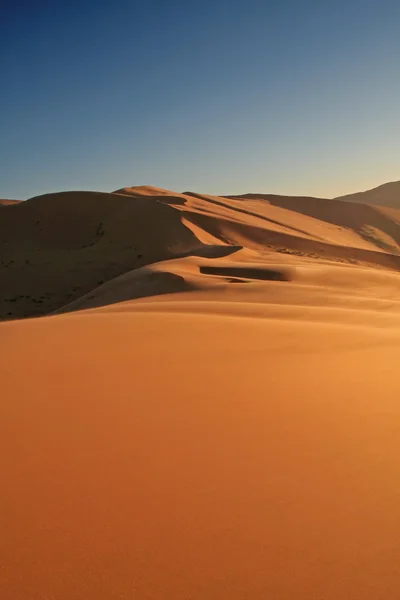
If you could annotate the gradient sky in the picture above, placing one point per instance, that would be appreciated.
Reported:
(217, 96)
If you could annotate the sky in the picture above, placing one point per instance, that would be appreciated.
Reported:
(221, 97)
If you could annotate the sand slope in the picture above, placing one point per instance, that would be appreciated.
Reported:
(60, 247)
(171, 454)
(9, 202)
(219, 418)
(387, 194)
(57, 247)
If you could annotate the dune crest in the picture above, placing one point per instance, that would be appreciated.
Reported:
(387, 195)
(9, 202)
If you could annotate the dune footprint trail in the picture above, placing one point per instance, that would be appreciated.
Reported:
(208, 405)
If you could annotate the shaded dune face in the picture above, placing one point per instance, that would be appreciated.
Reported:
(386, 195)
(208, 407)
(58, 247)
(9, 202)
(254, 273)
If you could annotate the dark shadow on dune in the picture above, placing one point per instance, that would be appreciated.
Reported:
(169, 199)
(245, 272)
(164, 199)
(236, 280)
(215, 251)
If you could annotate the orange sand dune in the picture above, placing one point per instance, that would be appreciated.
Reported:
(57, 247)
(215, 414)
(387, 194)
(60, 247)
(140, 191)
(9, 202)
(376, 227)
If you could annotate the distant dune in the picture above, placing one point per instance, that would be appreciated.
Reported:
(387, 194)
(208, 406)
(8, 202)
(60, 247)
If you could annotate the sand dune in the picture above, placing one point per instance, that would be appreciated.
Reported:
(60, 247)
(8, 202)
(57, 247)
(210, 408)
(373, 227)
(387, 194)
(141, 191)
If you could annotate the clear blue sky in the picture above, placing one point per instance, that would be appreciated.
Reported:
(217, 96)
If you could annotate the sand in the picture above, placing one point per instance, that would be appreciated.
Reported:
(220, 420)
(385, 195)
(8, 202)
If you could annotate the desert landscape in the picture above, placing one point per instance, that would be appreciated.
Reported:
(200, 396)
